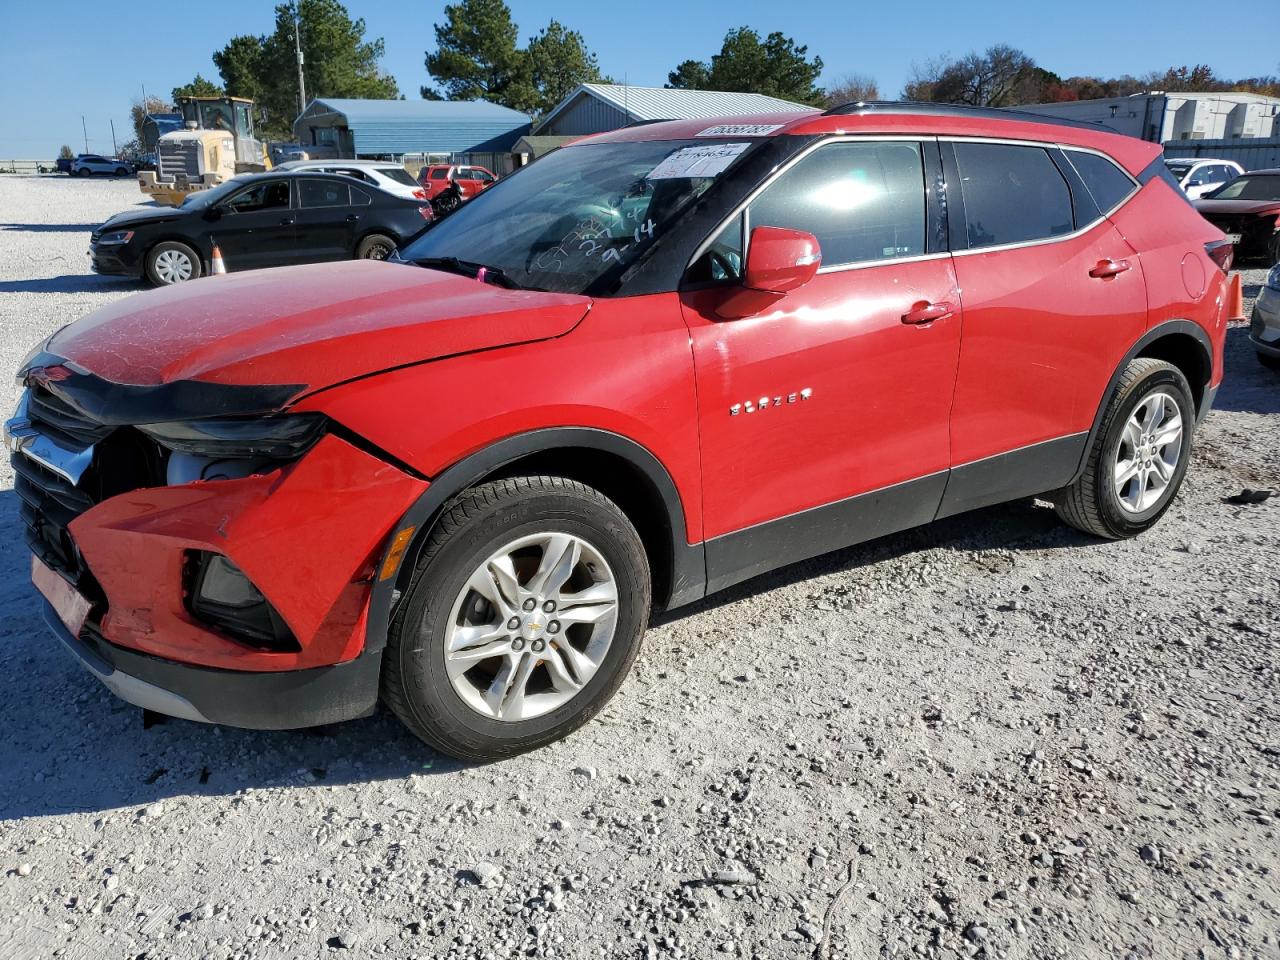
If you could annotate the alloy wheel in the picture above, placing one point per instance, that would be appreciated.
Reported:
(173, 266)
(531, 627)
(1148, 453)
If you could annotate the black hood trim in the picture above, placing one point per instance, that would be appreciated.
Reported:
(122, 404)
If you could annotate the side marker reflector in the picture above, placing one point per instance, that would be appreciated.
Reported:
(396, 553)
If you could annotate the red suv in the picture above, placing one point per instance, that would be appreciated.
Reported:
(655, 363)
(469, 181)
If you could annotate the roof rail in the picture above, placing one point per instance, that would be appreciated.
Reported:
(868, 107)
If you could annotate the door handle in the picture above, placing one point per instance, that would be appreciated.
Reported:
(353, 218)
(1105, 269)
(926, 312)
(286, 221)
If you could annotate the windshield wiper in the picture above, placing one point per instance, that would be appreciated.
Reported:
(476, 271)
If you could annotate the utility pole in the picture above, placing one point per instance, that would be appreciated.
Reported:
(297, 48)
(86, 133)
(115, 151)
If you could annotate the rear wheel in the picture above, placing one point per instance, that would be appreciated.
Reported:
(171, 262)
(523, 617)
(121, 172)
(1139, 457)
(375, 247)
(83, 172)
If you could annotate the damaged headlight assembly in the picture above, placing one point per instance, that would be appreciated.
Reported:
(283, 437)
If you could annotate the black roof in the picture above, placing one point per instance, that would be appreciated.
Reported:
(914, 108)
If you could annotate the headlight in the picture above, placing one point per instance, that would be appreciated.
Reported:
(1273, 278)
(115, 239)
(284, 437)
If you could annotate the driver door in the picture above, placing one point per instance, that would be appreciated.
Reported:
(256, 227)
(824, 417)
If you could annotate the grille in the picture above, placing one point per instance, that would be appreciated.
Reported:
(63, 422)
(181, 158)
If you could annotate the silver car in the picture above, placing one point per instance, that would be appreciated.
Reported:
(90, 163)
(1264, 330)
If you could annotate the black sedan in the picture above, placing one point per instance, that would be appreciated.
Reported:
(261, 220)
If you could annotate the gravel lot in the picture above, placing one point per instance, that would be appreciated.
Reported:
(991, 737)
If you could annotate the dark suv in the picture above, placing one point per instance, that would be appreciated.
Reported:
(647, 366)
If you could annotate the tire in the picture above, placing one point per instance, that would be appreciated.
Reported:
(445, 204)
(454, 711)
(163, 264)
(84, 172)
(1093, 503)
(376, 246)
(121, 172)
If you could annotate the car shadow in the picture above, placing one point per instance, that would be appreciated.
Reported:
(71, 746)
(49, 227)
(73, 283)
(1247, 386)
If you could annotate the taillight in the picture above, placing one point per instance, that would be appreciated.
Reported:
(420, 194)
(427, 212)
(1221, 252)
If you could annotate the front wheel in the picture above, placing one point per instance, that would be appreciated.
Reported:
(1138, 458)
(83, 172)
(522, 619)
(171, 262)
(375, 247)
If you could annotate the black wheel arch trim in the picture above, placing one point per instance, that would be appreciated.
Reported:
(1158, 332)
(688, 564)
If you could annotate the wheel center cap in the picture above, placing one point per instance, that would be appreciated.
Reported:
(533, 626)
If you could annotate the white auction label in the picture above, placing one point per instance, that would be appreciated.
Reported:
(701, 161)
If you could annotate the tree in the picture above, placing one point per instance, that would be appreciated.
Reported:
(853, 88)
(476, 56)
(775, 66)
(339, 62)
(138, 112)
(999, 77)
(65, 152)
(558, 61)
(199, 87)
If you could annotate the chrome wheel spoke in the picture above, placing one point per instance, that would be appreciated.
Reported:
(559, 556)
(558, 669)
(506, 693)
(1168, 433)
(1126, 470)
(468, 638)
(588, 606)
(1162, 470)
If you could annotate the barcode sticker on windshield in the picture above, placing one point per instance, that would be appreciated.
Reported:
(740, 130)
(700, 161)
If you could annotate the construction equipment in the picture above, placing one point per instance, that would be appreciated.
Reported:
(216, 143)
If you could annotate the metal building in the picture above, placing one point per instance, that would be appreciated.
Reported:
(1161, 117)
(597, 107)
(392, 128)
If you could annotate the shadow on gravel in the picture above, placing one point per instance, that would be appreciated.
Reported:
(70, 746)
(72, 283)
(48, 227)
(1247, 386)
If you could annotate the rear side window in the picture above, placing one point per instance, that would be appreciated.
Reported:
(863, 201)
(439, 173)
(359, 198)
(1012, 194)
(1108, 184)
(322, 193)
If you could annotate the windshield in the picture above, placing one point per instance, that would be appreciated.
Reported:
(202, 198)
(1249, 188)
(577, 214)
(1179, 170)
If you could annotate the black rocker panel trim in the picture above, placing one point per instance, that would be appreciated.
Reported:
(688, 569)
(1024, 472)
(743, 554)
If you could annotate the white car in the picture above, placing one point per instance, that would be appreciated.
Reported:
(1198, 175)
(384, 174)
(90, 163)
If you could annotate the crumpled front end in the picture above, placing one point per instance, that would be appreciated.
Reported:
(229, 560)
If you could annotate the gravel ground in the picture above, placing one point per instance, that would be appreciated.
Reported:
(992, 737)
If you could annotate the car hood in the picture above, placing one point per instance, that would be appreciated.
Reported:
(1248, 207)
(139, 216)
(310, 326)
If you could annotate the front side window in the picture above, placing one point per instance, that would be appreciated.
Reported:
(1012, 194)
(581, 213)
(1249, 188)
(863, 201)
(322, 193)
(269, 195)
(1108, 184)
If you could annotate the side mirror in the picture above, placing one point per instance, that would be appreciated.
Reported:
(778, 260)
(213, 212)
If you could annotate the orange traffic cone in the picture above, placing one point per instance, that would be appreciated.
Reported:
(216, 267)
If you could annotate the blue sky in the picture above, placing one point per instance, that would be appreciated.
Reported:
(59, 60)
